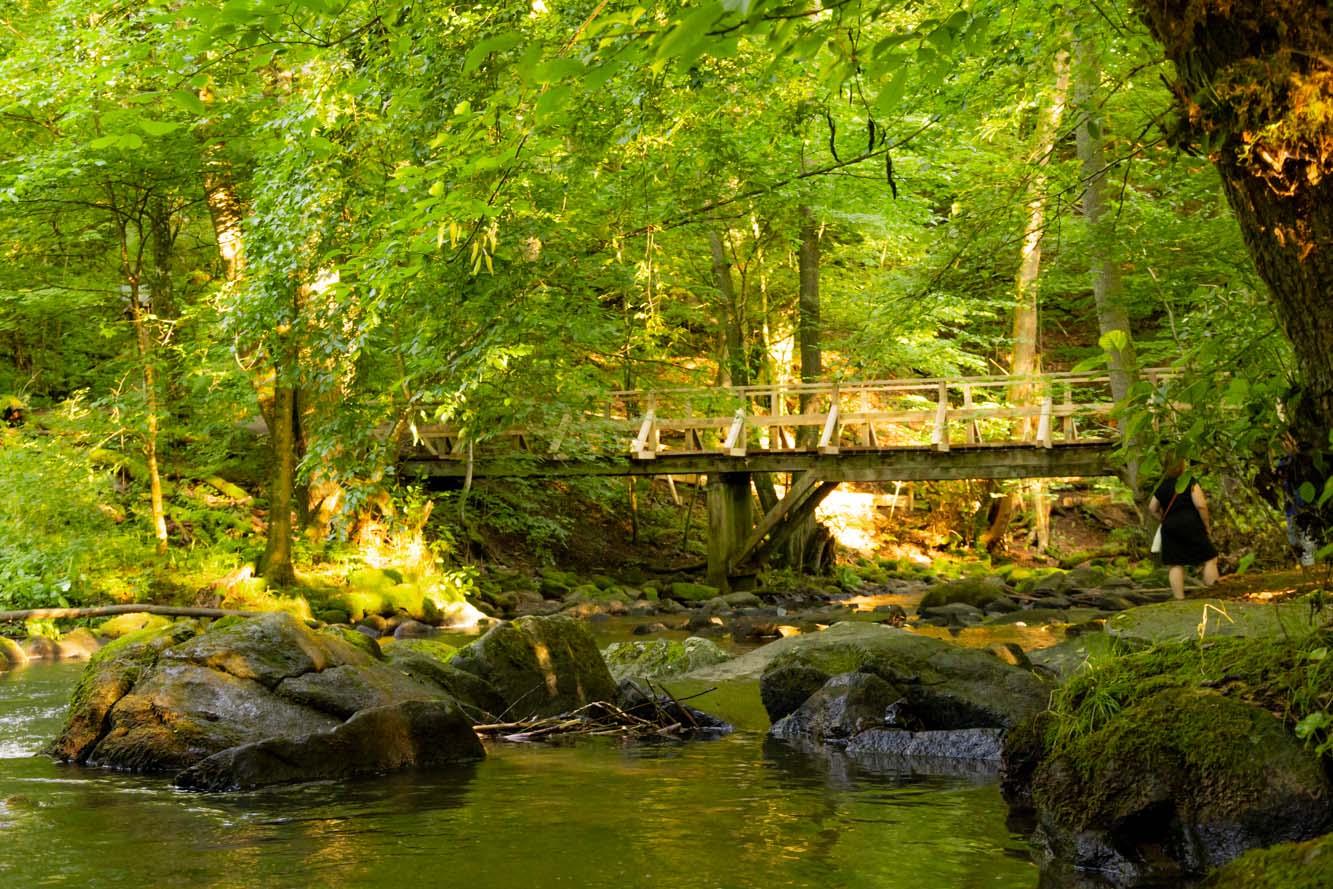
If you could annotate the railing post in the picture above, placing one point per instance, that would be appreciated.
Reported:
(828, 438)
(940, 436)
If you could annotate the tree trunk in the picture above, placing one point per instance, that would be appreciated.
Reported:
(276, 566)
(737, 372)
(131, 266)
(808, 322)
(1107, 291)
(1026, 358)
(1253, 86)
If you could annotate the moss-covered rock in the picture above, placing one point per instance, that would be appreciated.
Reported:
(428, 660)
(659, 658)
(1192, 773)
(408, 734)
(163, 701)
(107, 678)
(946, 686)
(355, 639)
(1210, 618)
(267, 649)
(124, 624)
(683, 591)
(540, 665)
(975, 591)
(11, 654)
(1306, 865)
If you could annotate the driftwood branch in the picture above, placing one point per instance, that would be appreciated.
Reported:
(106, 610)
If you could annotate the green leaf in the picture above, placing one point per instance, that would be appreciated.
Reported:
(485, 48)
(158, 127)
(1114, 341)
(103, 142)
(1312, 723)
(188, 100)
(1245, 562)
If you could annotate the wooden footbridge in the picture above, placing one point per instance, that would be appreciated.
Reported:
(1001, 427)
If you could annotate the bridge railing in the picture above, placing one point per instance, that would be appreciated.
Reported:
(942, 413)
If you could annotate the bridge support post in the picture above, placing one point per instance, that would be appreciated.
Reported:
(729, 522)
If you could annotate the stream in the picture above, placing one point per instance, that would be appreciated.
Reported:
(729, 813)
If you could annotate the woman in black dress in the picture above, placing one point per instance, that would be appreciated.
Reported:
(1186, 527)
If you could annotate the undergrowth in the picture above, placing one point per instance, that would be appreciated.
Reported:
(1291, 677)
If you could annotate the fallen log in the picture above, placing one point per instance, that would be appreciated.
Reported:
(108, 610)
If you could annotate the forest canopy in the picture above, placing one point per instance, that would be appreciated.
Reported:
(344, 217)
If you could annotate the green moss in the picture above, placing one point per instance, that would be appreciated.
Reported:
(1286, 676)
(1198, 747)
(1288, 866)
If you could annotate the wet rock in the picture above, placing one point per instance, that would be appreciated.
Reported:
(108, 677)
(78, 644)
(541, 666)
(409, 734)
(840, 709)
(660, 658)
(429, 661)
(957, 614)
(649, 629)
(1010, 653)
(946, 686)
(40, 648)
(183, 712)
(785, 688)
(412, 629)
(1188, 774)
(982, 744)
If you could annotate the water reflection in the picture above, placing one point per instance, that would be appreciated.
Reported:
(735, 812)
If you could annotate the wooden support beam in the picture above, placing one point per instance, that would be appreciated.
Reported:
(560, 432)
(806, 487)
(729, 519)
(798, 513)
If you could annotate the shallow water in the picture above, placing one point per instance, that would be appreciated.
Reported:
(737, 812)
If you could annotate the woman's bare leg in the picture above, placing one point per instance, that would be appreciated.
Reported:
(1176, 575)
(1210, 572)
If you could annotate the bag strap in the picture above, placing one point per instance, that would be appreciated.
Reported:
(1170, 504)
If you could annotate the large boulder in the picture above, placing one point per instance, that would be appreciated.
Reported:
(107, 678)
(1181, 620)
(1182, 781)
(428, 660)
(541, 666)
(660, 658)
(943, 685)
(165, 700)
(409, 734)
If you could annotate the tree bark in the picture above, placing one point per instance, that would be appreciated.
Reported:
(1253, 81)
(1026, 357)
(1107, 289)
(276, 566)
(732, 334)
